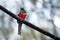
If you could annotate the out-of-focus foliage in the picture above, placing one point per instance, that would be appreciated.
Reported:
(42, 13)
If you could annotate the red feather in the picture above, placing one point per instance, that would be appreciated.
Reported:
(22, 15)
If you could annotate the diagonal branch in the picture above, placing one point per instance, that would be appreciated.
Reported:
(29, 24)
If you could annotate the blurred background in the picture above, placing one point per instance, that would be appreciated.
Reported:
(42, 13)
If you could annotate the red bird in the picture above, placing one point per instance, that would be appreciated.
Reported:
(22, 15)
